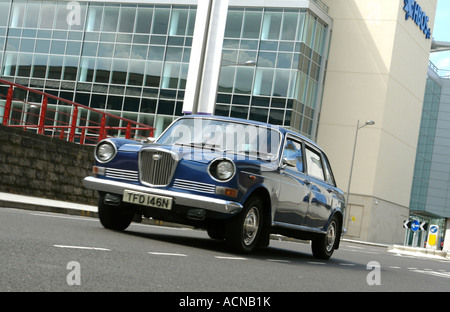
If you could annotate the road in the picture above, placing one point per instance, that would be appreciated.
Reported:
(56, 252)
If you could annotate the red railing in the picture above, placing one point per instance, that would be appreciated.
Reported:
(46, 114)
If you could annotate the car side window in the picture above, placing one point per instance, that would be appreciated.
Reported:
(314, 164)
(293, 155)
(328, 173)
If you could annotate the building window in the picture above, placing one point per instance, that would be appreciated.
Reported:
(287, 45)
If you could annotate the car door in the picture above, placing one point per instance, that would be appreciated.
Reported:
(322, 193)
(294, 190)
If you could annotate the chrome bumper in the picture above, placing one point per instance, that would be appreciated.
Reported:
(182, 199)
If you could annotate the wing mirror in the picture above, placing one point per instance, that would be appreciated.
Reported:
(288, 163)
(149, 140)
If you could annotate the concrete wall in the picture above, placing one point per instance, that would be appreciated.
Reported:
(35, 165)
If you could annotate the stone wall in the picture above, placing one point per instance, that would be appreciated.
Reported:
(36, 165)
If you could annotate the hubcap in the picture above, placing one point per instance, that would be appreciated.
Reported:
(331, 236)
(251, 224)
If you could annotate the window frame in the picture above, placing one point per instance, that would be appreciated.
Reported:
(310, 149)
(329, 179)
(302, 148)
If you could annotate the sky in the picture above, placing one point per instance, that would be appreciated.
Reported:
(441, 32)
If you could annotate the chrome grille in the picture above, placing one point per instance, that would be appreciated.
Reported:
(157, 166)
(122, 174)
(194, 186)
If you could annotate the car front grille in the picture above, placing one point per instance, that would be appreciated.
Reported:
(194, 186)
(122, 174)
(157, 166)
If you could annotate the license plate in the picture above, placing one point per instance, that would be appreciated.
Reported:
(147, 199)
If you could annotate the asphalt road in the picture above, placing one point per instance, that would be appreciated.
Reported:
(54, 252)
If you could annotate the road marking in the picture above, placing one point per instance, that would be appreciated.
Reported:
(356, 247)
(278, 260)
(360, 251)
(347, 264)
(64, 217)
(230, 258)
(82, 247)
(438, 274)
(162, 227)
(394, 267)
(313, 262)
(167, 254)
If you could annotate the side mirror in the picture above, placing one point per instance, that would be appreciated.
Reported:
(149, 140)
(286, 163)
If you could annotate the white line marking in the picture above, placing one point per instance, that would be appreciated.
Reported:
(64, 217)
(356, 247)
(439, 274)
(167, 254)
(278, 260)
(312, 262)
(81, 247)
(230, 258)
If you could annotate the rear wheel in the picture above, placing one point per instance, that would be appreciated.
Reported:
(116, 218)
(244, 230)
(323, 246)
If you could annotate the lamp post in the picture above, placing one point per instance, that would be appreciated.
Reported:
(358, 126)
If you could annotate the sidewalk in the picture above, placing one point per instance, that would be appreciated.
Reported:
(420, 252)
(8, 200)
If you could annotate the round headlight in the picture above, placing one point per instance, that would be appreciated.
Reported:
(222, 169)
(105, 151)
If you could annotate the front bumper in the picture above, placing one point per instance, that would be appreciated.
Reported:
(180, 199)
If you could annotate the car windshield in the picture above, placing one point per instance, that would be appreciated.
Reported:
(225, 136)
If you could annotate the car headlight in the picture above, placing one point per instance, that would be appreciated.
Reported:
(222, 169)
(105, 151)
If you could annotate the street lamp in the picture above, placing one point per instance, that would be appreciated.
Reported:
(358, 126)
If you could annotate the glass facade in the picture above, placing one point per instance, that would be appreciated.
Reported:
(425, 147)
(287, 46)
(133, 59)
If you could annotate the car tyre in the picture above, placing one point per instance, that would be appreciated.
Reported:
(216, 230)
(324, 245)
(116, 218)
(243, 231)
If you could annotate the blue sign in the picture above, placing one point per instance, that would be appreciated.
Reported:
(433, 229)
(415, 225)
(414, 10)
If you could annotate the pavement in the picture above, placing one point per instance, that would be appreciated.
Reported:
(8, 200)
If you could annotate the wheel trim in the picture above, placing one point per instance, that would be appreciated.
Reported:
(330, 238)
(251, 225)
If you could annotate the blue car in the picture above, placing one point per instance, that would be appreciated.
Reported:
(239, 180)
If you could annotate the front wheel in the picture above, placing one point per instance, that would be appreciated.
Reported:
(116, 218)
(243, 231)
(324, 245)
